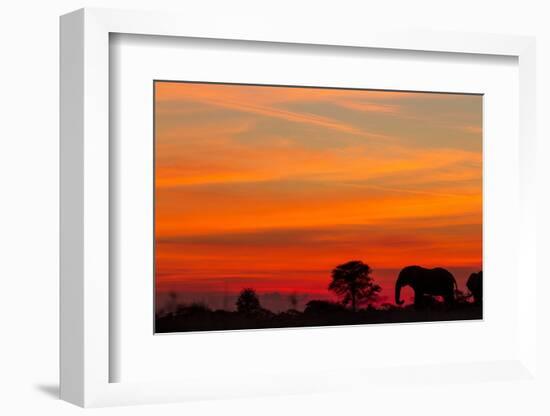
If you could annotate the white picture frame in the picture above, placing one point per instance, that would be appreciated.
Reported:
(85, 221)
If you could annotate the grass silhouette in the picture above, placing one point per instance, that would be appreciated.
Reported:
(197, 319)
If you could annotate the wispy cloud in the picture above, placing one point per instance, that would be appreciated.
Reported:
(270, 104)
(369, 107)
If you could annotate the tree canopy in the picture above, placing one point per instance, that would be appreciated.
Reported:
(352, 282)
(248, 302)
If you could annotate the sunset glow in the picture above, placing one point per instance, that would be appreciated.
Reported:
(272, 187)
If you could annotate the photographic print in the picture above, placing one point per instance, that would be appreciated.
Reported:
(289, 206)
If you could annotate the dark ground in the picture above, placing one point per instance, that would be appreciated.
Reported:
(199, 318)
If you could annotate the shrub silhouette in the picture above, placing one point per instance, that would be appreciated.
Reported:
(194, 308)
(248, 302)
(323, 307)
(351, 281)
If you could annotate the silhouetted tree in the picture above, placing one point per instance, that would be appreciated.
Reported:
(351, 281)
(248, 302)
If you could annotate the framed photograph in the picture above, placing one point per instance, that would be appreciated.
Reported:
(290, 206)
(287, 195)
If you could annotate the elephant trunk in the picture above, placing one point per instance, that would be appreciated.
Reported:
(398, 300)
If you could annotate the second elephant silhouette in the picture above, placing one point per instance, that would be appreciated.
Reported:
(475, 286)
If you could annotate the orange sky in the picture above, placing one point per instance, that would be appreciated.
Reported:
(272, 187)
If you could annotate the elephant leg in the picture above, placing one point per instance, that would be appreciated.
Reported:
(449, 300)
(418, 299)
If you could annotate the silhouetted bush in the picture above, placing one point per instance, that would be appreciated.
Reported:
(192, 309)
(323, 307)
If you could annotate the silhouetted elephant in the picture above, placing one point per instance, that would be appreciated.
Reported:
(435, 282)
(475, 286)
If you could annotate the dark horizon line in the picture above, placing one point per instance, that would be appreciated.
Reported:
(245, 84)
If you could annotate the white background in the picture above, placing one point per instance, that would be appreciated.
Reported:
(29, 208)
